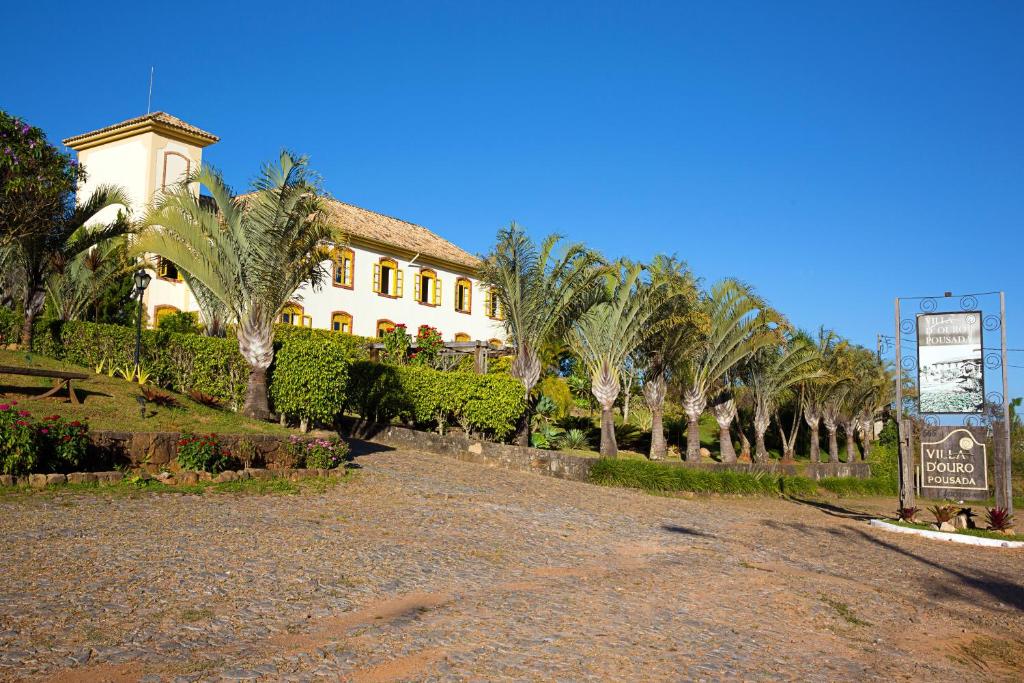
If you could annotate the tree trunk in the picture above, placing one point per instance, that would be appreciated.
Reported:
(256, 344)
(813, 420)
(526, 368)
(654, 393)
(725, 413)
(694, 403)
(33, 304)
(761, 419)
(609, 449)
(788, 439)
(866, 428)
(744, 444)
(625, 408)
(833, 442)
(851, 447)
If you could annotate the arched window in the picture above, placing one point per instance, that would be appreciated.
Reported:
(387, 278)
(294, 314)
(341, 322)
(344, 268)
(428, 288)
(462, 337)
(492, 306)
(384, 326)
(162, 311)
(496, 343)
(176, 168)
(166, 269)
(463, 295)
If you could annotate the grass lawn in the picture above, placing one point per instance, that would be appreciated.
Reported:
(133, 486)
(110, 403)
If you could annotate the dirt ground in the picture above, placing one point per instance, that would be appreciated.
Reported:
(424, 568)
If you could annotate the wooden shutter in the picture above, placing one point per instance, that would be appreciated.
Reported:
(417, 287)
(487, 303)
(398, 282)
(376, 277)
(437, 291)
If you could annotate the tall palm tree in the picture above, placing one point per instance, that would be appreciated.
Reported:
(33, 258)
(611, 330)
(541, 295)
(774, 371)
(816, 391)
(662, 353)
(251, 252)
(735, 330)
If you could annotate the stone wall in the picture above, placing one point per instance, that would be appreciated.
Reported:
(151, 451)
(555, 463)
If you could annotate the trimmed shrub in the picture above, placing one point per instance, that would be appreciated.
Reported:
(488, 404)
(19, 452)
(180, 322)
(557, 389)
(658, 477)
(52, 444)
(63, 445)
(10, 326)
(308, 380)
(356, 348)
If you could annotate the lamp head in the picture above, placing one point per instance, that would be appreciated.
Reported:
(142, 279)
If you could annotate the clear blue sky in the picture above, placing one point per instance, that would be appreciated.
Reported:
(834, 154)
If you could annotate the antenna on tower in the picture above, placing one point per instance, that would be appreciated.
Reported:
(149, 101)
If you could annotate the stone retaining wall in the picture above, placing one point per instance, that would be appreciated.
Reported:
(555, 463)
(39, 481)
(152, 451)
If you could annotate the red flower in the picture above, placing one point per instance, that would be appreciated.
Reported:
(24, 413)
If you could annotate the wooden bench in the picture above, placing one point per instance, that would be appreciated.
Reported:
(61, 379)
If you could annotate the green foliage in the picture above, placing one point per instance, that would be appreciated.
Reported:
(944, 513)
(180, 322)
(308, 380)
(428, 346)
(10, 325)
(203, 454)
(575, 439)
(396, 345)
(658, 477)
(356, 348)
(488, 404)
(326, 454)
(557, 389)
(547, 437)
(28, 445)
(890, 434)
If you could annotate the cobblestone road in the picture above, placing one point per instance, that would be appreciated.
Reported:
(425, 568)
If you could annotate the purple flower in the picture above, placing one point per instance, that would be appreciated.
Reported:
(24, 129)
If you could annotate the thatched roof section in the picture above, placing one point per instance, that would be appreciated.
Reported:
(379, 229)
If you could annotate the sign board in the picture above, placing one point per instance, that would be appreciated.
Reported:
(954, 464)
(950, 371)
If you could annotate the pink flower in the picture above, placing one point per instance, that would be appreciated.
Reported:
(5, 406)
(44, 430)
(23, 413)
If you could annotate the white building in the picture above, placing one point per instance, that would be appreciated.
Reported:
(387, 271)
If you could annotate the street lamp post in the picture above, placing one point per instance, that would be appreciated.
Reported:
(142, 279)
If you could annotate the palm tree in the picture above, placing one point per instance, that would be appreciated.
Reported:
(872, 390)
(604, 337)
(541, 295)
(816, 391)
(251, 252)
(662, 353)
(773, 372)
(34, 258)
(735, 330)
(82, 282)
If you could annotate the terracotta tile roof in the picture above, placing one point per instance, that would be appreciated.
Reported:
(156, 117)
(376, 227)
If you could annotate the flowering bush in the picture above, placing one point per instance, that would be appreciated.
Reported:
(396, 345)
(428, 346)
(18, 449)
(324, 454)
(203, 453)
(63, 444)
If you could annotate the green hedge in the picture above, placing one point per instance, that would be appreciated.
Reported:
(308, 379)
(10, 326)
(487, 404)
(659, 477)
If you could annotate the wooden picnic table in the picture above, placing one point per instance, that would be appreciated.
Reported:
(61, 379)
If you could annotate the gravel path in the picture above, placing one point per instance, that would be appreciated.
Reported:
(424, 568)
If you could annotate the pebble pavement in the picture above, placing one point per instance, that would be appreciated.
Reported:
(425, 568)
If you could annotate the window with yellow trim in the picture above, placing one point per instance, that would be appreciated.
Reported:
(495, 343)
(463, 295)
(384, 326)
(463, 337)
(294, 314)
(387, 278)
(492, 306)
(428, 288)
(166, 269)
(341, 322)
(344, 268)
(161, 312)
